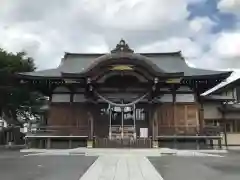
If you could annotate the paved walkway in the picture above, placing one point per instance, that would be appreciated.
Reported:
(119, 164)
(142, 152)
(121, 167)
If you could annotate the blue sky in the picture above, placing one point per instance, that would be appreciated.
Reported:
(225, 21)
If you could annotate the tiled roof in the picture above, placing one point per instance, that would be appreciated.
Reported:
(167, 62)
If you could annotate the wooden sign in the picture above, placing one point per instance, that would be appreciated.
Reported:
(173, 81)
(121, 68)
(70, 81)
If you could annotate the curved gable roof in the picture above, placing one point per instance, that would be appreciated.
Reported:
(170, 62)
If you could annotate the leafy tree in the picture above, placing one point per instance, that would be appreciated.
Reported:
(16, 102)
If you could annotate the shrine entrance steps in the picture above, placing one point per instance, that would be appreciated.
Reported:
(122, 143)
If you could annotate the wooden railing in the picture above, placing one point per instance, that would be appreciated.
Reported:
(127, 131)
(122, 143)
(211, 130)
(162, 130)
(61, 131)
(189, 130)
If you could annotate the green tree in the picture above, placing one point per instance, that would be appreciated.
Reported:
(16, 101)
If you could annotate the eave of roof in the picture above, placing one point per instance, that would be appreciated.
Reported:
(224, 85)
(218, 98)
(212, 75)
(174, 53)
(230, 108)
(43, 74)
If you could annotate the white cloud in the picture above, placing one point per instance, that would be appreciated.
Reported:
(186, 45)
(131, 15)
(223, 51)
(229, 6)
(227, 45)
(201, 24)
(45, 29)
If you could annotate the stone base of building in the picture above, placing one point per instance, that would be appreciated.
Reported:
(190, 142)
(173, 142)
(56, 142)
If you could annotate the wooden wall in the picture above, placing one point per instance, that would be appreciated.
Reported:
(211, 110)
(85, 119)
(66, 119)
(76, 119)
(170, 119)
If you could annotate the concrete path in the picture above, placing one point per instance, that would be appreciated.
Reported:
(121, 167)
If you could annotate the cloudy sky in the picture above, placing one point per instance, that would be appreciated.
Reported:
(206, 31)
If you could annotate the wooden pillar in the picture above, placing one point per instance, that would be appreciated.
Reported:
(48, 143)
(122, 111)
(201, 113)
(152, 123)
(70, 144)
(225, 129)
(71, 95)
(174, 107)
(90, 119)
(7, 137)
(50, 98)
(134, 121)
(201, 118)
(110, 122)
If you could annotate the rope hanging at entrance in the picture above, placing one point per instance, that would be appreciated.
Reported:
(121, 105)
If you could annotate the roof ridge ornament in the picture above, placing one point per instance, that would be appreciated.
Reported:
(122, 46)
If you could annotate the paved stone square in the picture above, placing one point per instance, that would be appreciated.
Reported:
(118, 164)
(122, 167)
(16, 166)
(198, 168)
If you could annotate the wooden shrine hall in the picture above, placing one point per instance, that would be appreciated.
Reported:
(123, 99)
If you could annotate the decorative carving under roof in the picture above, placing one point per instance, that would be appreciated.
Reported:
(122, 46)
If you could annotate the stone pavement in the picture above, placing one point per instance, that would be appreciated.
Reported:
(15, 166)
(119, 164)
(115, 151)
(198, 168)
(121, 167)
(127, 164)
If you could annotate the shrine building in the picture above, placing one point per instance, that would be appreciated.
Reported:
(124, 99)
